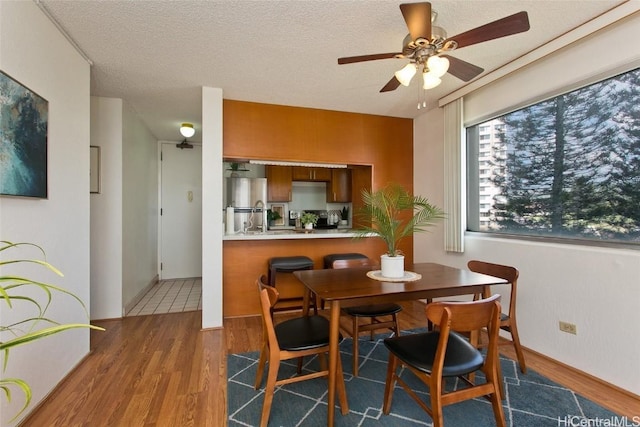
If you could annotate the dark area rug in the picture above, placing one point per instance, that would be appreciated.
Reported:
(531, 399)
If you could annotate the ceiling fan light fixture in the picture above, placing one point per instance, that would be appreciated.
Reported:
(187, 130)
(426, 42)
(438, 66)
(405, 75)
(430, 80)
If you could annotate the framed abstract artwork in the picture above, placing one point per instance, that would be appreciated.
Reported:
(24, 118)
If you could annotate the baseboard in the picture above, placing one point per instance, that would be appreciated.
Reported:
(213, 328)
(584, 375)
(241, 316)
(140, 295)
(42, 401)
(610, 396)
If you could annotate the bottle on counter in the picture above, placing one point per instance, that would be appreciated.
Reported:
(230, 226)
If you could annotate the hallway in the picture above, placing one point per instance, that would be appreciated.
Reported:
(170, 296)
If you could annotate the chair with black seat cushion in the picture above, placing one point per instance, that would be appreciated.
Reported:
(446, 353)
(289, 264)
(329, 259)
(507, 321)
(290, 339)
(374, 312)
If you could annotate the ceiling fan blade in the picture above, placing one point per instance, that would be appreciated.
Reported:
(362, 58)
(513, 24)
(391, 85)
(418, 19)
(463, 70)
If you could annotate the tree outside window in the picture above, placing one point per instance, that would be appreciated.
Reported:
(565, 167)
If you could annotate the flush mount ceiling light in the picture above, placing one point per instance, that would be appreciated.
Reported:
(187, 130)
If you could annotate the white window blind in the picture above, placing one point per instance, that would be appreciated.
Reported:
(454, 177)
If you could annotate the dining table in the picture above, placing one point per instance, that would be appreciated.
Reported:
(346, 287)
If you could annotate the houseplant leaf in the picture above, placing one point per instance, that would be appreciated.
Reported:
(392, 213)
(17, 290)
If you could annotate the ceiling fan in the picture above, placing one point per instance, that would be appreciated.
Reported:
(426, 44)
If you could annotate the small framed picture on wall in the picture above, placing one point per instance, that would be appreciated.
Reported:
(279, 209)
(94, 170)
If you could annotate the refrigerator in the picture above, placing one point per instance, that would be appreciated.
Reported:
(247, 198)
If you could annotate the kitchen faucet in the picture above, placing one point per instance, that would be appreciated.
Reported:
(260, 204)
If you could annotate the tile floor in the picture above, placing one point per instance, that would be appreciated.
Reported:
(170, 296)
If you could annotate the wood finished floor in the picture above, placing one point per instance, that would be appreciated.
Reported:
(162, 370)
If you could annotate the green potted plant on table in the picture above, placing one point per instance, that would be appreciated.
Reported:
(18, 291)
(308, 220)
(393, 214)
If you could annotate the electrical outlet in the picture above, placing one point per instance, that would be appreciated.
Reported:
(569, 328)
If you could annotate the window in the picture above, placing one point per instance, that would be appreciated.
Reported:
(567, 167)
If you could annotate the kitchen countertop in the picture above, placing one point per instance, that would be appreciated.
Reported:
(292, 234)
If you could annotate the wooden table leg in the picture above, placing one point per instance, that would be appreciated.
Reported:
(306, 296)
(334, 353)
(486, 292)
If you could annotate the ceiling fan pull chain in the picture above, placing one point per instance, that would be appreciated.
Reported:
(422, 98)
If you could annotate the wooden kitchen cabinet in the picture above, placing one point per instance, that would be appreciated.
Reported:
(339, 188)
(301, 173)
(279, 179)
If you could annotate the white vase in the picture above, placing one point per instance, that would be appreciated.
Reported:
(392, 266)
(308, 226)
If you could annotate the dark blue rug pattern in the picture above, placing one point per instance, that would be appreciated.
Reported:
(531, 399)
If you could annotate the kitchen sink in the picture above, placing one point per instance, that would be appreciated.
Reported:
(280, 232)
(270, 232)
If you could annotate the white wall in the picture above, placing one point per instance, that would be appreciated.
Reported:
(212, 226)
(139, 206)
(106, 209)
(124, 216)
(33, 52)
(598, 289)
(563, 70)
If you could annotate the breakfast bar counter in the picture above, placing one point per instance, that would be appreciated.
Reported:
(333, 233)
(245, 258)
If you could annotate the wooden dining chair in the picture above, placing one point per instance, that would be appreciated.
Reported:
(445, 353)
(507, 321)
(374, 312)
(291, 339)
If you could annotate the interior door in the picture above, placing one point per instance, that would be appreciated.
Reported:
(181, 212)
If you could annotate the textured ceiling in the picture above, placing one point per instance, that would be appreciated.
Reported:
(156, 55)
